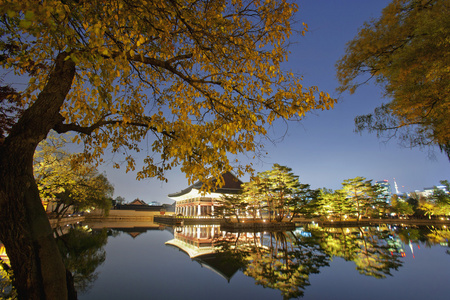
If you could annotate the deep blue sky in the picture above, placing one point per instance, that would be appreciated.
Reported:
(323, 149)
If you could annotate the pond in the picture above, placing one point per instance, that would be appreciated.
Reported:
(202, 262)
(310, 262)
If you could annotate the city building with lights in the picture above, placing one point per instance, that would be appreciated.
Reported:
(386, 191)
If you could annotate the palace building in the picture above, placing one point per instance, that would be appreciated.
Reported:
(192, 202)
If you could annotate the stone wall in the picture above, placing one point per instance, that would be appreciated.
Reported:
(123, 215)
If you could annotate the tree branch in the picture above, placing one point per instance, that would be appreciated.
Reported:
(63, 128)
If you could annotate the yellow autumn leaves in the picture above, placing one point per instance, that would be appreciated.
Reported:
(198, 79)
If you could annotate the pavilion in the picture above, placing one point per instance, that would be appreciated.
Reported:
(192, 202)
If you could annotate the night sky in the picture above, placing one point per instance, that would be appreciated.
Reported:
(323, 148)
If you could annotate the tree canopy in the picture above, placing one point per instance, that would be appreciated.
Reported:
(197, 88)
(69, 185)
(276, 194)
(406, 51)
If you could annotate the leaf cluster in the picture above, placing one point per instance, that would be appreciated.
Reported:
(60, 178)
(196, 80)
(406, 52)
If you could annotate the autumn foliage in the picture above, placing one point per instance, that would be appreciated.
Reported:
(198, 79)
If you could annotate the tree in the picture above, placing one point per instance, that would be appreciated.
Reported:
(94, 191)
(304, 202)
(406, 51)
(119, 200)
(70, 185)
(280, 191)
(334, 204)
(199, 80)
(230, 205)
(252, 195)
(360, 192)
(439, 201)
(401, 207)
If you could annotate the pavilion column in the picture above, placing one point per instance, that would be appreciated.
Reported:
(199, 210)
(212, 210)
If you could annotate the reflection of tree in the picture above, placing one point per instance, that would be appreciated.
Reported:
(339, 242)
(279, 260)
(439, 236)
(233, 250)
(374, 258)
(82, 253)
(367, 247)
(427, 235)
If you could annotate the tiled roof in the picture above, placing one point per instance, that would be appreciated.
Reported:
(232, 186)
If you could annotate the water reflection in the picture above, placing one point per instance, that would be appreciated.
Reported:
(285, 260)
(281, 261)
(374, 250)
(82, 252)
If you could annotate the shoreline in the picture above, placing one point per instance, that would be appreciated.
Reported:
(172, 220)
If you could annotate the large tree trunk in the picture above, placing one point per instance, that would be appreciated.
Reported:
(39, 272)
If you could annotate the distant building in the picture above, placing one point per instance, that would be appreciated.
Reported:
(191, 201)
(138, 205)
(427, 192)
(138, 202)
(386, 191)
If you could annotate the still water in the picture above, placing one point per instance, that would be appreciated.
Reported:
(202, 262)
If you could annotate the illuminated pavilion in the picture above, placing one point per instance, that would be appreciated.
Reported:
(193, 203)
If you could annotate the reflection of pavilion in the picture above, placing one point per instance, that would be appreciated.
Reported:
(195, 240)
(191, 202)
(198, 241)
